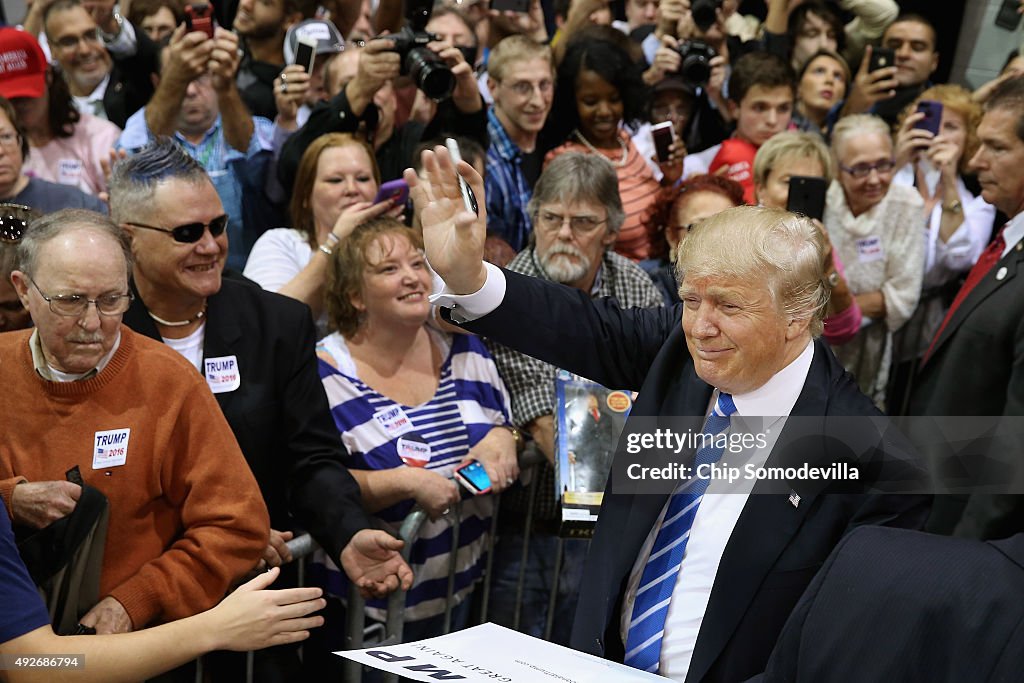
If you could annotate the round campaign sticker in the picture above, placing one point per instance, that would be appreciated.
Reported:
(618, 401)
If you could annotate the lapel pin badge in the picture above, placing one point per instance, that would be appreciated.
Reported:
(794, 499)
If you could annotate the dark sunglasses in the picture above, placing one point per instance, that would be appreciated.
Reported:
(14, 220)
(189, 232)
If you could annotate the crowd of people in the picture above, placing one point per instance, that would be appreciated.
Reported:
(253, 298)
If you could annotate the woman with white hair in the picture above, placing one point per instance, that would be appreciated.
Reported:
(875, 226)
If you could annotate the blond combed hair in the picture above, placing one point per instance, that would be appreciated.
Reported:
(791, 145)
(759, 245)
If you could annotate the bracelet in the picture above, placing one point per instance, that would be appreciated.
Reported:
(955, 207)
(518, 436)
(325, 249)
(332, 240)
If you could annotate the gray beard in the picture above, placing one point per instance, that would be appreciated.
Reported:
(560, 269)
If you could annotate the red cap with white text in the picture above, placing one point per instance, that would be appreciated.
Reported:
(22, 64)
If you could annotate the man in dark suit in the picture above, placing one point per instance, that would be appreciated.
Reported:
(950, 610)
(753, 294)
(112, 78)
(256, 351)
(975, 365)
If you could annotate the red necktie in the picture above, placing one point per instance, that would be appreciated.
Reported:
(988, 259)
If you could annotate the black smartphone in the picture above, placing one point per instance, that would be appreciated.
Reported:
(664, 135)
(932, 120)
(305, 53)
(199, 17)
(521, 6)
(1008, 16)
(807, 196)
(881, 57)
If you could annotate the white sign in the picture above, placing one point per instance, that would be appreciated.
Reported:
(222, 374)
(110, 448)
(489, 653)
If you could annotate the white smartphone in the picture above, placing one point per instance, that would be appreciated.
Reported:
(468, 198)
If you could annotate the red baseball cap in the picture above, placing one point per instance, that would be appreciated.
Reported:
(22, 64)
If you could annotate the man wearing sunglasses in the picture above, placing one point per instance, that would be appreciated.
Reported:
(95, 399)
(256, 351)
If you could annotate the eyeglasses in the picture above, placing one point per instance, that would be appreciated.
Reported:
(74, 305)
(10, 139)
(14, 220)
(664, 113)
(581, 225)
(864, 170)
(526, 88)
(91, 37)
(189, 232)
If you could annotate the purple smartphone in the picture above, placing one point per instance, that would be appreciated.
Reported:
(393, 189)
(932, 120)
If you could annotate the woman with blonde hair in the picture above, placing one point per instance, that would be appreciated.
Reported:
(411, 404)
(334, 190)
(956, 224)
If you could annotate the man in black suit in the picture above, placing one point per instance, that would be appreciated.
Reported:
(256, 351)
(975, 365)
(109, 66)
(949, 609)
(753, 294)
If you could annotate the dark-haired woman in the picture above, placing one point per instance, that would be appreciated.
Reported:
(66, 145)
(600, 90)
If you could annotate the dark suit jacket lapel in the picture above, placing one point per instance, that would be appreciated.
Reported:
(765, 527)
(1012, 262)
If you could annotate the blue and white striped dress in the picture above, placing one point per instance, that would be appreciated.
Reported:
(470, 400)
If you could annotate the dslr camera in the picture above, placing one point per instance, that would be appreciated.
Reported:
(696, 66)
(704, 13)
(427, 70)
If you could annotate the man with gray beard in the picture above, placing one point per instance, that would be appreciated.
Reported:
(576, 213)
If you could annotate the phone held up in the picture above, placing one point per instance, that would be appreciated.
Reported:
(932, 120)
(397, 190)
(305, 53)
(199, 17)
(664, 135)
(881, 57)
(807, 196)
(474, 477)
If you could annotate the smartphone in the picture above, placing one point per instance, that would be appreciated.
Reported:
(881, 57)
(1008, 17)
(521, 6)
(807, 196)
(664, 135)
(932, 120)
(474, 477)
(199, 17)
(393, 189)
(468, 198)
(305, 53)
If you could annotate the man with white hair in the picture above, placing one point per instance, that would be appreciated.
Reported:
(692, 586)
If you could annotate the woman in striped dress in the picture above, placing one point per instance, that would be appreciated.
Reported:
(599, 94)
(411, 404)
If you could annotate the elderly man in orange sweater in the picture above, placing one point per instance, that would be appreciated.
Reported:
(81, 390)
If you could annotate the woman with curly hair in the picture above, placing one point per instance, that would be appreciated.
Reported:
(599, 96)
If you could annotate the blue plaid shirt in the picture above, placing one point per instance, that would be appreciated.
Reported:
(507, 191)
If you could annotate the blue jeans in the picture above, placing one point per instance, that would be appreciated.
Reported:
(537, 584)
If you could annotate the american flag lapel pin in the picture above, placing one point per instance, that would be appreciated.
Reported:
(794, 499)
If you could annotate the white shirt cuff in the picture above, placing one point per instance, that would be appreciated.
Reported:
(467, 307)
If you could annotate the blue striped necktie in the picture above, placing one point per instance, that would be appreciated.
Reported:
(650, 607)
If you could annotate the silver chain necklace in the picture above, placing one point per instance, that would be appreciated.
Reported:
(622, 143)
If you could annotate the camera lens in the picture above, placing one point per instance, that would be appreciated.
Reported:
(430, 73)
(696, 69)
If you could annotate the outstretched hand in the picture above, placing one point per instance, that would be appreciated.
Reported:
(453, 237)
(373, 561)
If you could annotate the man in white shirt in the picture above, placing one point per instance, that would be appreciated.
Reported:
(743, 341)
